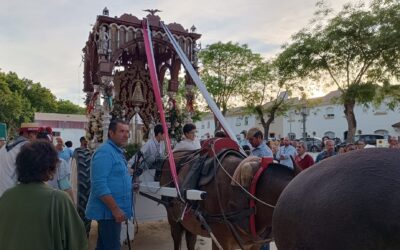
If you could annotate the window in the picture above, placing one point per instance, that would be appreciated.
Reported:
(246, 121)
(381, 110)
(330, 134)
(329, 114)
(383, 132)
(208, 124)
(291, 116)
(238, 121)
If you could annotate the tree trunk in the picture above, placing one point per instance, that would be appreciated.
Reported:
(264, 123)
(266, 126)
(217, 124)
(351, 120)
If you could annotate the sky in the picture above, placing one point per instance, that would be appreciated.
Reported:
(42, 40)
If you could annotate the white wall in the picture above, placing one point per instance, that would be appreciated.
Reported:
(69, 134)
(368, 120)
(237, 123)
(318, 121)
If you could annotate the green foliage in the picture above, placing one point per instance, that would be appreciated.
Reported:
(131, 150)
(21, 98)
(177, 112)
(267, 94)
(41, 98)
(15, 108)
(358, 49)
(67, 107)
(226, 69)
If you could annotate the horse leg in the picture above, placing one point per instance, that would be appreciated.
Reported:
(190, 240)
(176, 232)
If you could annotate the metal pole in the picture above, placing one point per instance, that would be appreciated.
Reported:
(304, 125)
(304, 114)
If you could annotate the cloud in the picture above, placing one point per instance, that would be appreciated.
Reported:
(43, 39)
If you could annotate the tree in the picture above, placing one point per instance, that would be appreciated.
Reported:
(21, 98)
(358, 50)
(14, 108)
(67, 107)
(41, 98)
(226, 68)
(267, 95)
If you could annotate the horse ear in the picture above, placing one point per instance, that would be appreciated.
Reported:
(297, 168)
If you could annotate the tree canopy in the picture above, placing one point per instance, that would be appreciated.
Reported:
(358, 50)
(267, 94)
(226, 68)
(21, 98)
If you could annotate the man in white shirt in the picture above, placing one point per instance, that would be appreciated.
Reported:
(9, 152)
(285, 152)
(153, 150)
(190, 141)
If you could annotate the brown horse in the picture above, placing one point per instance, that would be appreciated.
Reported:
(223, 198)
(348, 201)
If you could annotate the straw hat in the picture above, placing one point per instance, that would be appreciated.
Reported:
(29, 127)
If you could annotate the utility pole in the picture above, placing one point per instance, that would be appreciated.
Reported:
(304, 113)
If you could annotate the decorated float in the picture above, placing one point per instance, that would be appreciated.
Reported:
(132, 69)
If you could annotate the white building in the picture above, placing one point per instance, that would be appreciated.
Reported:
(324, 118)
(68, 127)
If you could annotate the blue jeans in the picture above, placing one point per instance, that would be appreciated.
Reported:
(265, 247)
(108, 235)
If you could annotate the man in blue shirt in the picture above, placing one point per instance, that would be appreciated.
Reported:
(260, 148)
(63, 153)
(110, 200)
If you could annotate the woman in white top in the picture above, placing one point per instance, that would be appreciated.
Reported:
(189, 142)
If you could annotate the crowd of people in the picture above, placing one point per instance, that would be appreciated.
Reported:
(36, 201)
(36, 190)
(284, 150)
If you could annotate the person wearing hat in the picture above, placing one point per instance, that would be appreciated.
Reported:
(8, 155)
(2, 141)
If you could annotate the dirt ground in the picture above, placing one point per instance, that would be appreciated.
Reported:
(151, 236)
(154, 236)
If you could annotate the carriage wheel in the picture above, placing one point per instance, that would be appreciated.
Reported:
(83, 158)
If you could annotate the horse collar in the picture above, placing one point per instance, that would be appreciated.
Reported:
(265, 162)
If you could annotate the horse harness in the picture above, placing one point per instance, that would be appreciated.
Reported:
(212, 153)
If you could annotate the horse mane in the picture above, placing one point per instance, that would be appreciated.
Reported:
(277, 170)
(245, 171)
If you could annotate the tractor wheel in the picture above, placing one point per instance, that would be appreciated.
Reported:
(83, 158)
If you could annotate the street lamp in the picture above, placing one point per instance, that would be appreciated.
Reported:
(304, 113)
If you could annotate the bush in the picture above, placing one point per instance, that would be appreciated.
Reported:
(131, 150)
